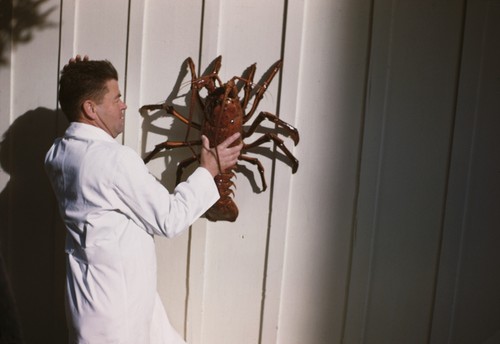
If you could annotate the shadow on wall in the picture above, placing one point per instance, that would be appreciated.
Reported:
(31, 233)
(184, 104)
(18, 20)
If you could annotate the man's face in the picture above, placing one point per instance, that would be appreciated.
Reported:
(111, 110)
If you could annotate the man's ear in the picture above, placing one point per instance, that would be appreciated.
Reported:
(88, 109)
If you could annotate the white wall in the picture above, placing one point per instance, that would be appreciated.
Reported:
(330, 107)
(408, 128)
(353, 248)
(30, 241)
(467, 306)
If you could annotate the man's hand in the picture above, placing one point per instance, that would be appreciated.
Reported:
(222, 157)
(78, 58)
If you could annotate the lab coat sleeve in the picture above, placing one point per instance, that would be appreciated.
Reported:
(148, 202)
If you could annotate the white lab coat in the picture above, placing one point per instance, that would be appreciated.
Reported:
(112, 206)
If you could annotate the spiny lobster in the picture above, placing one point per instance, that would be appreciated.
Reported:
(223, 115)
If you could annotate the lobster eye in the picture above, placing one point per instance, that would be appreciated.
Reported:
(232, 121)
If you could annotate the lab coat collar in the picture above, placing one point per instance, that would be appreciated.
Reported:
(86, 131)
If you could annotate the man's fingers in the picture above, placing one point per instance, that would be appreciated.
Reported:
(204, 142)
(78, 58)
(227, 142)
(219, 159)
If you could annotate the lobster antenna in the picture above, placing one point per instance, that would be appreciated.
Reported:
(193, 92)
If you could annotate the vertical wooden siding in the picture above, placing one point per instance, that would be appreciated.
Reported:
(31, 243)
(220, 282)
(409, 123)
(337, 253)
(468, 282)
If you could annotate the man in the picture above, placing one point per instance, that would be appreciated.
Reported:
(112, 207)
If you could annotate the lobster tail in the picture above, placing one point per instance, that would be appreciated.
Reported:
(224, 209)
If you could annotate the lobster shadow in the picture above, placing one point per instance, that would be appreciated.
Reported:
(179, 131)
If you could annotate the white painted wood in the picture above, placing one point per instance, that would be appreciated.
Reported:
(360, 274)
(132, 79)
(248, 32)
(282, 272)
(210, 33)
(171, 34)
(329, 112)
(29, 125)
(101, 33)
(272, 280)
(6, 149)
(196, 276)
(409, 118)
(28, 92)
(467, 306)
(67, 27)
(5, 106)
(493, 339)
(210, 16)
(101, 30)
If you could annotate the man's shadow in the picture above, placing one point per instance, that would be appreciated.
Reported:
(31, 231)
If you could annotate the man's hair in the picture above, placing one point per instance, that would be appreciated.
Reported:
(82, 80)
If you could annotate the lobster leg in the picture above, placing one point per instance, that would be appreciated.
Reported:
(208, 80)
(191, 68)
(279, 142)
(262, 88)
(256, 162)
(182, 165)
(292, 131)
(171, 110)
(196, 84)
(215, 72)
(170, 145)
(248, 86)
